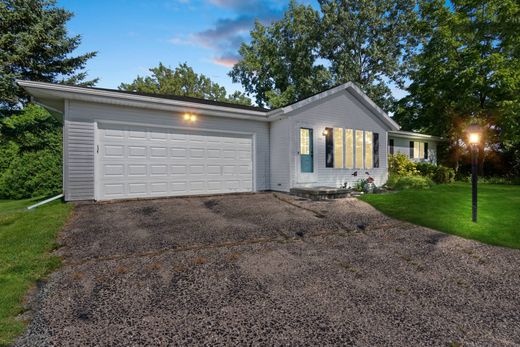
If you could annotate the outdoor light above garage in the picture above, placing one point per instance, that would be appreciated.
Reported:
(190, 117)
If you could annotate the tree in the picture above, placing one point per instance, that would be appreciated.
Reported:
(369, 42)
(34, 45)
(182, 81)
(281, 63)
(467, 71)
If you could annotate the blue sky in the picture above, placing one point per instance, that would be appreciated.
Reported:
(131, 36)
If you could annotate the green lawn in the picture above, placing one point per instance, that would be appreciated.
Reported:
(26, 237)
(448, 208)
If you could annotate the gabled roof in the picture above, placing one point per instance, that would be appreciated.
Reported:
(353, 89)
(51, 94)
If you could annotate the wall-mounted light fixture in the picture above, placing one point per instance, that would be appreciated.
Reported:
(325, 132)
(189, 117)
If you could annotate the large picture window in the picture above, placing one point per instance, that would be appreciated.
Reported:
(359, 149)
(338, 148)
(349, 148)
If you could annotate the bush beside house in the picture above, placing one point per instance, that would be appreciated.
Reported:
(406, 174)
(30, 154)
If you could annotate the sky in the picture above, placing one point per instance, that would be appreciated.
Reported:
(132, 36)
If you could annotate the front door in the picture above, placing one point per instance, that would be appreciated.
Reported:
(306, 150)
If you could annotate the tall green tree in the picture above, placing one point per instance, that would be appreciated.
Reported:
(369, 42)
(467, 71)
(34, 45)
(281, 63)
(183, 81)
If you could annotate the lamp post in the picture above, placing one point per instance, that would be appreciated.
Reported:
(474, 134)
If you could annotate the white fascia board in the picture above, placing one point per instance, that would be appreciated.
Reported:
(65, 92)
(412, 135)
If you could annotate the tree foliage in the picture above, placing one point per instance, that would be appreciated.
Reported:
(281, 64)
(368, 42)
(305, 52)
(467, 71)
(34, 45)
(183, 81)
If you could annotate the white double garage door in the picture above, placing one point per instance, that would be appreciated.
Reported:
(140, 161)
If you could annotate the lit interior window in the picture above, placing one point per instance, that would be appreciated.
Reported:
(369, 150)
(338, 148)
(304, 141)
(416, 146)
(349, 148)
(359, 149)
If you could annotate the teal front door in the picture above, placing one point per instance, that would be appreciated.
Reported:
(306, 150)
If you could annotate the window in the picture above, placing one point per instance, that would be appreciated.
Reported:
(376, 149)
(338, 148)
(304, 141)
(329, 148)
(391, 144)
(368, 150)
(349, 148)
(359, 149)
(418, 150)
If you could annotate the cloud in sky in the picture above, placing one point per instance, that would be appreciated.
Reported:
(226, 34)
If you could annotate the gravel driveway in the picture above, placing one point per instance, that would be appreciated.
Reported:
(266, 269)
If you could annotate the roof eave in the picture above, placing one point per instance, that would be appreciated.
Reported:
(412, 135)
(56, 91)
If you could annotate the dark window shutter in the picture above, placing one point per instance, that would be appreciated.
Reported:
(376, 149)
(391, 146)
(411, 149)
(329, 148)
(426, 150)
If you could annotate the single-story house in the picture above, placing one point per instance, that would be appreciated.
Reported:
(120, 145)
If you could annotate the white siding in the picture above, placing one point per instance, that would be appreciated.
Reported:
(79, 140)
(402, 145)
(338, 111)
(280, 156)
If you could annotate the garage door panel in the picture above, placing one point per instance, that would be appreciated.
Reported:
(137, 151)
(145, 161)
(159, 170)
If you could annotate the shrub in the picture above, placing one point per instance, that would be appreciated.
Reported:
(32, 174)
(444, 174)
(30, 154)
(360, 185)
(426, 169)
(400, 164)
(408, 182)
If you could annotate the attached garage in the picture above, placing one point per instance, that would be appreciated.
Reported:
(141, 161)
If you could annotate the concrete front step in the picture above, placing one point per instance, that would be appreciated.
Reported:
(320, 193)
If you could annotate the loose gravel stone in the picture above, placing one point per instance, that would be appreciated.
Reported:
(269, 269)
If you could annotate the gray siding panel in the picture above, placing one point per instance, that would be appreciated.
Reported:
(280, 158)
(79, 140)
(78, 159)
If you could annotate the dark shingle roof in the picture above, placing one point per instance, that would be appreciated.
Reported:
(185, 98)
